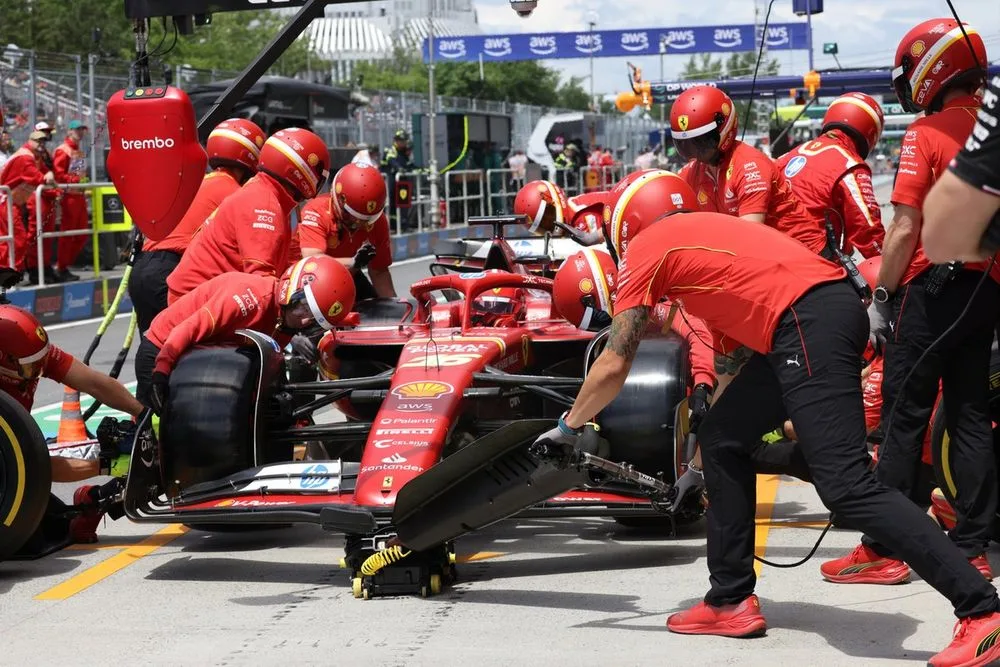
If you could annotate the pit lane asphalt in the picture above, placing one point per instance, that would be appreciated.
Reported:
(555, 592)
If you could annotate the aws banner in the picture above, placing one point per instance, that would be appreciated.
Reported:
(616, 43)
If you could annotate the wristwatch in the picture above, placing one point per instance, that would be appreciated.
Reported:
(881, 294)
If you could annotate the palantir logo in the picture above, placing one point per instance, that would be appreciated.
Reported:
(727, 38)
(451, 48)
(588, 43)
(635, 41)
(777, 36)
(542, 45)
(497, 46)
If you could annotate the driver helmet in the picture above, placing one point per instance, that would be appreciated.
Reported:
(933, 57)
(236, 141)
(544, 203)
(583, 287)
(859, 116)
(358, 196)
(25, 349)
(297, 158)
(703, 124)
(321, 284)
(639, 200)
(499, 305)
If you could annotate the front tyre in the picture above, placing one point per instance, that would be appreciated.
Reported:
(25, 476)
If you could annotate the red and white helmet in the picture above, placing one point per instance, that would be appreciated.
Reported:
(703, 123)
(857, 114)
(544, 203)
(358, 195)
(236, 141)
(933, 56)
(298, 158)
(584, 287)
(25, 345)
(639, 200)
(323, 284)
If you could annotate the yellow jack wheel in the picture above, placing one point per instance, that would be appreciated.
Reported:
(366, 594)
(435, 584)
(452, 559)
(357, 588)
(343, 563)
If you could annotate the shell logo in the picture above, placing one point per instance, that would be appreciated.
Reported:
(725, 109)
(338, 188)
(423, 389)
(586, 285)
(702, 197)
(259, 141)
(313, 159)
(917, 48)
(682, 122)
(311, 266)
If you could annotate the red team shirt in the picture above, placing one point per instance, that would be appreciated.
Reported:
(739, 278)
(749, 183)
(56, 367)
(318, 229)
(215, 187)
(928, 147)
(212, 313)
(699, 337)
(827, 175)
(249, 232)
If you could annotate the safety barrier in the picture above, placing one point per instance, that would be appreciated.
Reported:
(7, 196)
(503, 185)
(464, 195)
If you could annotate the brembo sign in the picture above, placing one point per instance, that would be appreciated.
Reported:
(147, 144)
(618, 43)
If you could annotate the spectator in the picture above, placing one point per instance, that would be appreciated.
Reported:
(6, 147)
(518, 163)
(398, 158)
(646, 159)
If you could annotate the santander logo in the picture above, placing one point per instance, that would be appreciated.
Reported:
(147, 144)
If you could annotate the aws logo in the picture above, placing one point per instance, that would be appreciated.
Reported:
(588, 43)
(777, 36)
(543, 45)
(635, 41)
(727, 38)
(497, 46)
(679, 39)
(451, 48)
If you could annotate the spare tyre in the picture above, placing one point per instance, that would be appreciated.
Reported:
(25, 476)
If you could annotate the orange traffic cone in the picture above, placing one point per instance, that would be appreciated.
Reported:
(71, 426)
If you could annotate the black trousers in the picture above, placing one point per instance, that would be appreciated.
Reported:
(961, 362)
(145, 361)
(147, 286)
(813, 376)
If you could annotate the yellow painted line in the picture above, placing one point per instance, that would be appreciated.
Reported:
(119, 561)
(767, 491)
(482, 555)
(794, 524)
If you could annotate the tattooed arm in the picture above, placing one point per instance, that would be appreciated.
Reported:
(609, 371)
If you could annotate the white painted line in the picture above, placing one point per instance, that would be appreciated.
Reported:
(127, 385)
(78, 323)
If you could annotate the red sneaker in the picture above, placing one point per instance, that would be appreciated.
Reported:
(974, 643)
(83, 528)
(942, 510)
(983, 565)
(731, 620)
(864, 566)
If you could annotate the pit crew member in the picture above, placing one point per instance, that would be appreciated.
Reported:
(69, 164)
(350, 225)
(233, 149)
(915, 303)
(733, 177)
(313, 290)
(830, 177)
(807, 329)
(250, 231)
(962, 210)
(26, 356)
(545, 204)
(22, 173)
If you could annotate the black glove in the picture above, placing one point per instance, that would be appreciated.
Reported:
(365, 254)
(699, 404)
(692, 481)
(304, 347)
(159, 390)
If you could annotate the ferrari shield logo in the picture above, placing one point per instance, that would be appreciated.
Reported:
(682, 122)
(335, 309)
(371, 206)
(387, 482)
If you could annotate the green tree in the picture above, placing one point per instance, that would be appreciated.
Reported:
(57, 26)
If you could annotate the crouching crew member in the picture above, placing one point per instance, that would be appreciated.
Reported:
(233, 149)
(314, 290)
(545, 204)
(250, 231)
(807, 330)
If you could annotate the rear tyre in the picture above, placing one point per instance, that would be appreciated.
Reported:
(25, 476)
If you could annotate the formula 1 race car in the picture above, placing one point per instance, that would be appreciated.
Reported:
(441, 412)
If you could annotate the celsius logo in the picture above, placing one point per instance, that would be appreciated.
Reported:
(588, 43)
(147, 144)
(679, 39)
(777, 36)
(542, 45)
(451, 48)
(497, 46)
(635, 41)
(727, 37)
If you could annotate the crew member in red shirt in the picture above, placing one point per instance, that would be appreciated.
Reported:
(546, 204)
(807, 329)
(233, 149)
(22, 173)
(69, 164)
(250, 231)
(349, 224)
(599, 164)
(314, 290)
(26, 356)
(915, 303)
(830, 176)
(731, 177)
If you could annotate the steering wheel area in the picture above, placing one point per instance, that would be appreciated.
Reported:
(470, 286)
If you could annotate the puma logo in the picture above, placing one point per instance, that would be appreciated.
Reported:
(794, 361)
